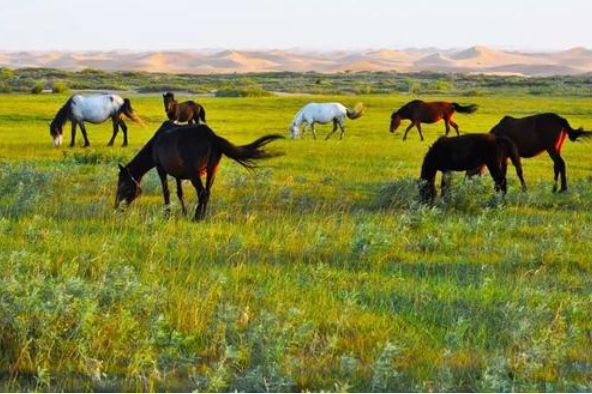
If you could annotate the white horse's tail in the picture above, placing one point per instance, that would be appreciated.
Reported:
(128, 111)
(357, 112)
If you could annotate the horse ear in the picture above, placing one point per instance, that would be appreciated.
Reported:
(121, 167)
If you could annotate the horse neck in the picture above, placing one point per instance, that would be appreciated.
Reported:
(142, 162)
(298, 119)
(173, 106)
(63, 114)
(428, 168)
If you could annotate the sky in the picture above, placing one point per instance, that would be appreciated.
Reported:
(286, 24)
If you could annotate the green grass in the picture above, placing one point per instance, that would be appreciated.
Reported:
(320, 271)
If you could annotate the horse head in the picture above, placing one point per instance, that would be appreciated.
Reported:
(128, 189)
(57, 133)
(169, 101)
(395, 121)
(294, 132)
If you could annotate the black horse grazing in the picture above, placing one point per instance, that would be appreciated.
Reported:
(418, 112)
(536, 134)
(186, 152)
(187, 111)
(93, 109)
(466, 152)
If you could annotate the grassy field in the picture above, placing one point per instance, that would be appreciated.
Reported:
(320, 271)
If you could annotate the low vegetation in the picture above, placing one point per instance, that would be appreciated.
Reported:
(319, 271)
(346, 83)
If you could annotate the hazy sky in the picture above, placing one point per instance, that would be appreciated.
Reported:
(307, 24)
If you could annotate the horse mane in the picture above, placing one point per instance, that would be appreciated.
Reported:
(62, 115)
(409, 104)
(427, 169)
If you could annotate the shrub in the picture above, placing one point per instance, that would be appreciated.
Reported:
(251, 91)
(38, 87)
(5, 88)
(59, 87)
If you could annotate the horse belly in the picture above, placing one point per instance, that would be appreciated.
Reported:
(95, 116)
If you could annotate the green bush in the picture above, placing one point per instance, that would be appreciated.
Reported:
(38, 87)
(59, 87)
(251, 91)
(5, 88)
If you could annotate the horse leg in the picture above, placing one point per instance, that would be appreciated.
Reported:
(199, 188)
(407, 130)
(445, 183)
(342, 127)
(314, 131)
(165, 189)
(498, 177)
(418, 125)
(559, 167)
(210, 177)
(180, 196)
(124, 129)
(83, 130)
(332, 131)
(115, 131)
(73, 134)
(447, 124)
(455, 126)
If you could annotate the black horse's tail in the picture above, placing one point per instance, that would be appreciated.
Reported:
(246, 155)
(465, 109)
(128, 111)
(510, 150)
(202, 114)
(575, 134)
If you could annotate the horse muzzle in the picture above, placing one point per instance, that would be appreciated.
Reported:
(58, 140)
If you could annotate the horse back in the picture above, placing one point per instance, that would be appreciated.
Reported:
(532, 134)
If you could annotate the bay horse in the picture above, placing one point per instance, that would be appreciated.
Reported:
(93, 109)
(536, 134)
(466, 152)
(186, 152)
(187, 111)
(418, 112)
(324, 113)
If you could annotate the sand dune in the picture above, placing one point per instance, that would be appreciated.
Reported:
(478, 59)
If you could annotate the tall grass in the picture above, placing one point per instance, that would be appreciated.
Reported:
(320, 271)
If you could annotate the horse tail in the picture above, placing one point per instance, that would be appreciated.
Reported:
(246, 155)
(357, 112)
(202, 114)
(465, 109)
(575, 134)
(128, 111)
(509, 149)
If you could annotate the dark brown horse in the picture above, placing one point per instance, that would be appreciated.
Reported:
(466, 152)
(540, 133)
(186, 152)
(187, 111)
(419, 112)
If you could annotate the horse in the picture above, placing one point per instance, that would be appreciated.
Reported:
(466, 152)
(187, 111)
(536, 134)
(419, 111)
(186, 152)
(324, 113)
(93, 109)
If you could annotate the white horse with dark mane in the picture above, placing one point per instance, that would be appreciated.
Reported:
(94, 109)
(324, 113)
